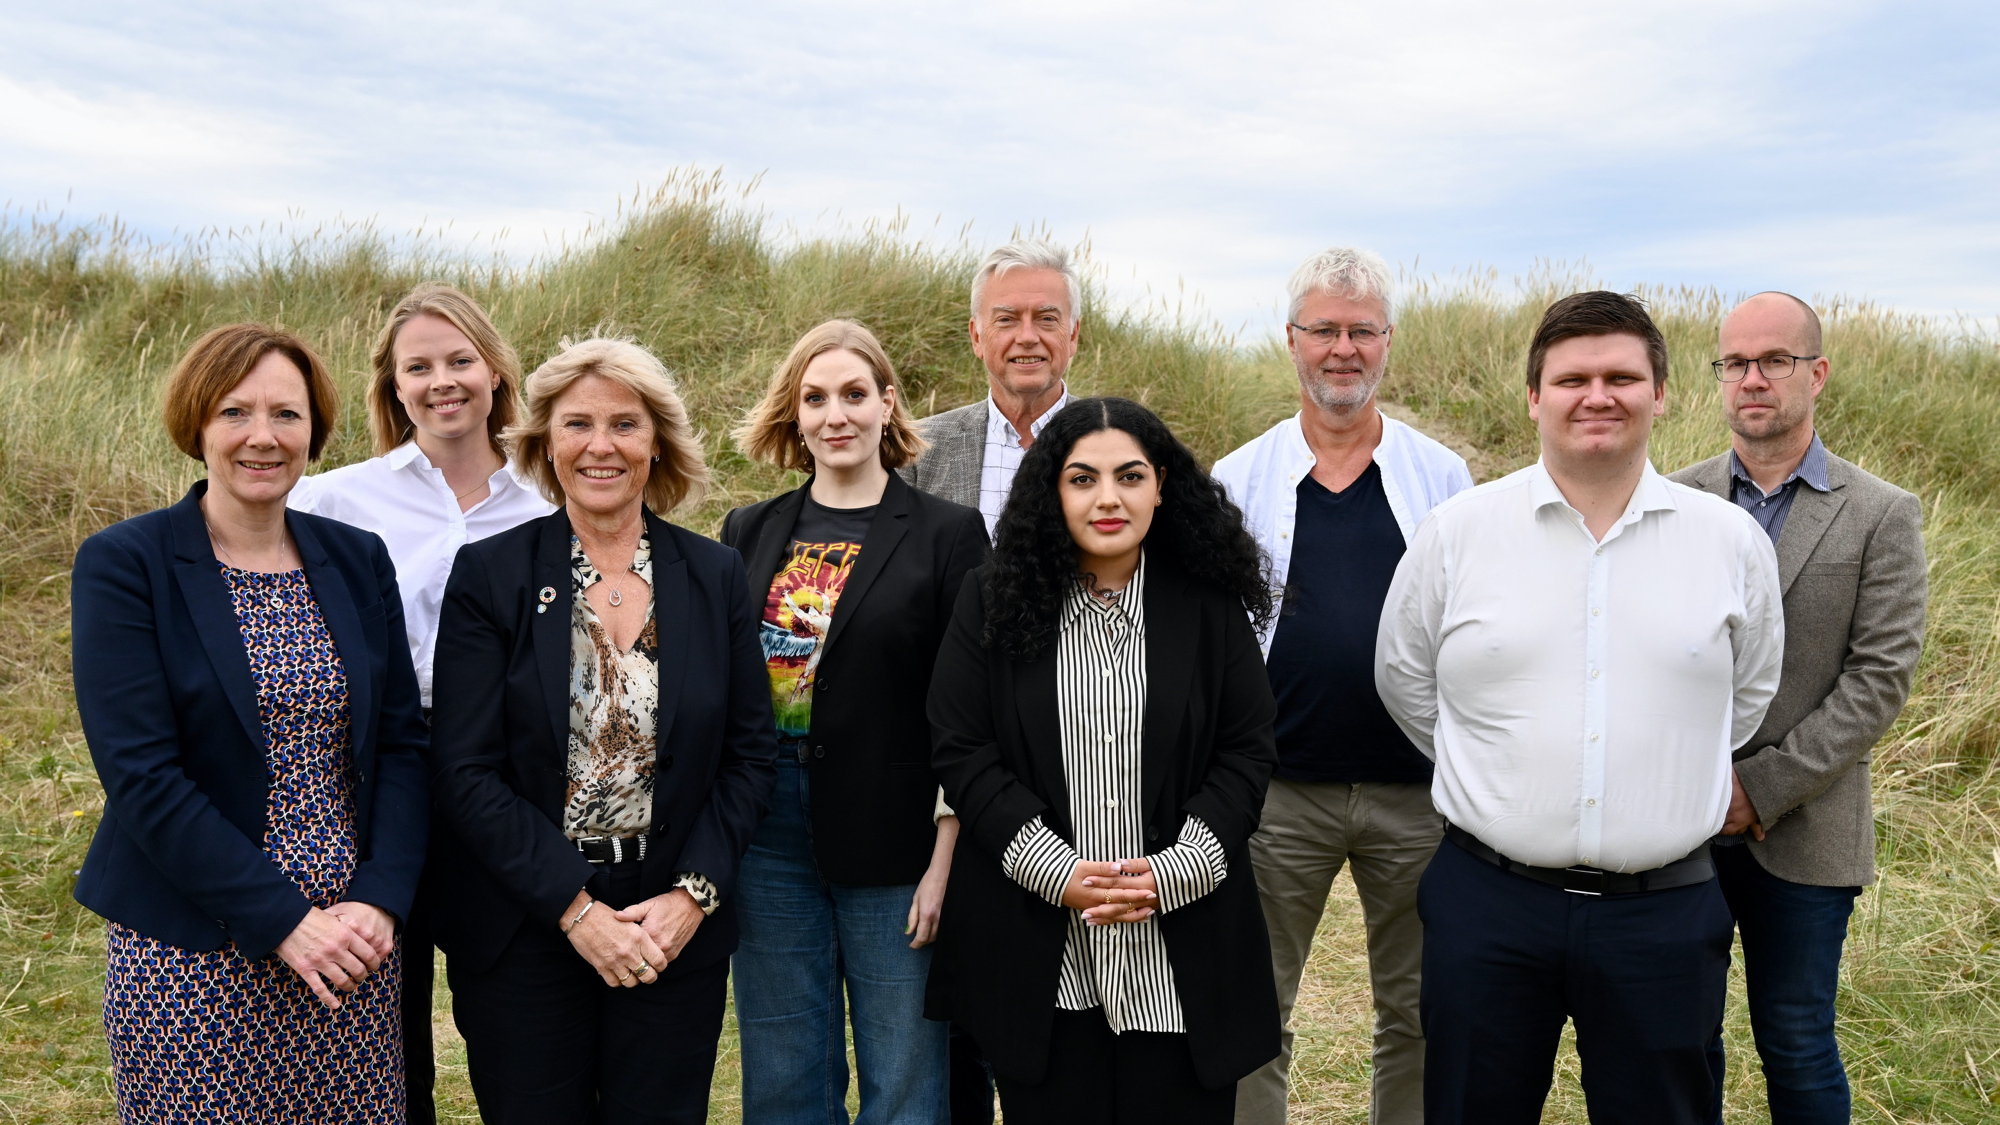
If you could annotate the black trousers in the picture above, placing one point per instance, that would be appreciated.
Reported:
(1508, 960)
(547, 1042)
(971, 1081)
(419, 970)
(1138, 1078)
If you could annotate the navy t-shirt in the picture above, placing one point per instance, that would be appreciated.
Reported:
(1331, 723)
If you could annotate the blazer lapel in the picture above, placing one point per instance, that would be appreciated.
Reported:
(549, 632)
(343, 621)
(1035, 699)
(1812, 513)
(213, 612)
(670, 627)
(892, 519)
(1713, 477)
(1170, 649)
(767, 554)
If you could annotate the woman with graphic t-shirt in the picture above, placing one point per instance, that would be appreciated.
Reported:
(839, 895)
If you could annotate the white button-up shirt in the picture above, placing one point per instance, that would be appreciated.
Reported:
(1581, 698)
(1003, 456)
(1262, 478)
(403, 498)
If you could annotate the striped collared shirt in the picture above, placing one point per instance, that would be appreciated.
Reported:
(1003, 456)
(1101, 701)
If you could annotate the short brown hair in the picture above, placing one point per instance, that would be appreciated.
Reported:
(221, 359)
(1598, 312)
(679, 476)
(770, 430)
(388, 420)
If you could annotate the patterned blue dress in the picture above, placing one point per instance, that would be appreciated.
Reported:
(214, 1037)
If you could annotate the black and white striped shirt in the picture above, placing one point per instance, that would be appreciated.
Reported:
(1101, 700)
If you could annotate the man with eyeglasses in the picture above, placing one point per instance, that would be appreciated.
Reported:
(1800, 834)
(1333, 494)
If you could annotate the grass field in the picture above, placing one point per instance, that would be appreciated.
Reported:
(90, 321)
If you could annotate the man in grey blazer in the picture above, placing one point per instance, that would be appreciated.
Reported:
(1799, 842)
(1026, 316)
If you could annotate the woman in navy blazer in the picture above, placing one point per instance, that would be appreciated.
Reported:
(253, 715)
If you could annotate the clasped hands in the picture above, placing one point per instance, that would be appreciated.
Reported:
(1120, 891)
(338, 947)
(1742, 816)
(635, 945)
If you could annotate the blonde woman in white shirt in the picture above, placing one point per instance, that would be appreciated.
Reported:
(444, 385)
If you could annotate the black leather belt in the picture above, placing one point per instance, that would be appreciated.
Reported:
(1694, 867)
(611, 849)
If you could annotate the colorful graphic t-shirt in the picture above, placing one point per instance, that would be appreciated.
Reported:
(798, 611)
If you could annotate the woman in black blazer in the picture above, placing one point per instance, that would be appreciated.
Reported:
(1103, 727)
(602, 751)
(844, 880)
(253, 715)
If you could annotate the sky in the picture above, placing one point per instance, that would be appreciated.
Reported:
(1837, 150)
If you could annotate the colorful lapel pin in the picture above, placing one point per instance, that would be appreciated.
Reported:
(548, 595)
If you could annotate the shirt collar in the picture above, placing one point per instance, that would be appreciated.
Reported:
(1651, 495)
(405, 454)
(998, 426)
(1812, 469)
(1130, 604)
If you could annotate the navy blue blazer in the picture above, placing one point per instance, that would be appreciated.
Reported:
(169, 708)
(500, 742)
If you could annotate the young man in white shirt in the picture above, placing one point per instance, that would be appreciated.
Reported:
(1332, 495)
(1580, 646)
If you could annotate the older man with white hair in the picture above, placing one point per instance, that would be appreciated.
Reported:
(1333, 494)
(1027, 306)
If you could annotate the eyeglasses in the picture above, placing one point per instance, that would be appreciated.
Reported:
(1325, 336)
(1772, 367)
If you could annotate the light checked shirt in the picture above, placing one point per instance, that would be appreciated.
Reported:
(403, 498)
(1769, 509)
(1581, 698)
(1003, 456)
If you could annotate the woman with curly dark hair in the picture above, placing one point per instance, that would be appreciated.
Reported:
(1102, 725)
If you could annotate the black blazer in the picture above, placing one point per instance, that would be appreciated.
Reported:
(500, 736)
(1207, 750)
(872, 787)
(169, 707)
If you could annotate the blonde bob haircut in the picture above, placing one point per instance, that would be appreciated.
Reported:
(224, 357)
(388, 421)
(679, 475)
(770, 430)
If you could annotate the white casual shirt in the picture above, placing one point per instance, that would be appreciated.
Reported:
(403, 498)
(1262, 478)
(1003, 456)
(1581, 698)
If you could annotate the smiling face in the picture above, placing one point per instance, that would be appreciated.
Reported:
(602, 441)
(441, 379)
(1758, 407)
(841, 411)
(1110, 490)
(1025, 332)
(1597, 400)
(256, 440)
(1343, 372)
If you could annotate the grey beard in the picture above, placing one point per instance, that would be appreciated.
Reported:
(1329, 397)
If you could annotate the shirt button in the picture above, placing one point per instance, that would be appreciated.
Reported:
(1592, 801)
(1107, 673)
(1595, 611)
(1589, 862)
(1600, 550)
(1593, 736)
(1593, 673)
(1110, 802)
(1109, 737)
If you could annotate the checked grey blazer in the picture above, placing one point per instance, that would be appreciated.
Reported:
(1851, 565)
(951, 467)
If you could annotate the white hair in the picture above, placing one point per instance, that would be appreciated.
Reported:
(1032, 254)
(1343, 271)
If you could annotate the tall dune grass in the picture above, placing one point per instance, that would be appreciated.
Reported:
(91, 318)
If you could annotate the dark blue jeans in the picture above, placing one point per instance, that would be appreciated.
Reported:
(1792, 934)
(811, 953)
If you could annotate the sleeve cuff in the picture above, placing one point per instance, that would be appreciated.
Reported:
(698, 886)
(940, 810)
(1039, 860)
(1193, 867)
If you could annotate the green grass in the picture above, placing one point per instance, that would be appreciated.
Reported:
(91, 319)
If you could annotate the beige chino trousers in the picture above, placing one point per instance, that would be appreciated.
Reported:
(1386, 834)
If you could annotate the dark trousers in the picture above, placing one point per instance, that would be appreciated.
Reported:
(1508, 960)
(971, 1081)
(547, 1042)
(419, 970)
(1792, 935)
(1097, 1076)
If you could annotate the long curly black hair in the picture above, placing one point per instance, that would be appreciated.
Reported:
(1034, 560)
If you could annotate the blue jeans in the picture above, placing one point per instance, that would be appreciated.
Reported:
(1792, 934)
(804, 941)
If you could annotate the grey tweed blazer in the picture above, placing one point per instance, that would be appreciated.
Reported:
(1851, 564)
(951, 467)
